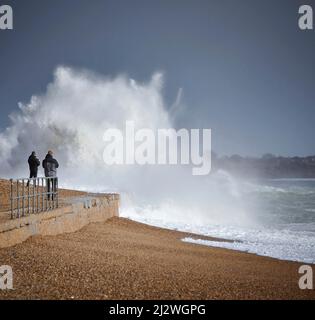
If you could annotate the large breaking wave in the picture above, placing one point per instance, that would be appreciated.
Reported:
(71, 117)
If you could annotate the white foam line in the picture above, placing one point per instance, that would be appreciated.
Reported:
(253, 248)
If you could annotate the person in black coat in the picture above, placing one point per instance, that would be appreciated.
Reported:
(33, 163)
(50, 165)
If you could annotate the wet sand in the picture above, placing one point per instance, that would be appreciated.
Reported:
(122, 259)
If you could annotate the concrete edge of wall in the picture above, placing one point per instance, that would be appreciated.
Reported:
(66, 219)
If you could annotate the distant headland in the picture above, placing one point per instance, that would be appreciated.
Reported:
(267, 166)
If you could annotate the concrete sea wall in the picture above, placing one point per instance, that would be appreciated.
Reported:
(66, 219)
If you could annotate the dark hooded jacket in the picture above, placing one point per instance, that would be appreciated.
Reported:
(50, 165)
(33, 163)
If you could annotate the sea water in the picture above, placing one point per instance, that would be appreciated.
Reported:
(284, 225)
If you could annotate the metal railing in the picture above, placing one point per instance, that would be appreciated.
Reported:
(33, 195)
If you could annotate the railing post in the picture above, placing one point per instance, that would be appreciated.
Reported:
(46, 194)
(42, 186)
(11, 198)
(23, 201)
(28, 197)
(37, 195)
(33, 196)
(18, 198)
(57, 192)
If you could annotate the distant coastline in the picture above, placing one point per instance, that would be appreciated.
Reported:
(268, 166)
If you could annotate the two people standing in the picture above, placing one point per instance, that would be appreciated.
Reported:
(50, 165)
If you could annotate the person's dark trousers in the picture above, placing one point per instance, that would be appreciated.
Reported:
(48, 188)
(51, 187)
(33, 174)
(55, 186)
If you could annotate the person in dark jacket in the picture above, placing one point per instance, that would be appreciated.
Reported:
(33, 163)
(50, 165)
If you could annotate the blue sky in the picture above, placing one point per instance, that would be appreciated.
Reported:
(245, 68)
